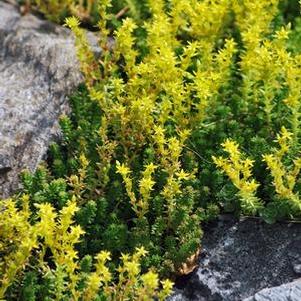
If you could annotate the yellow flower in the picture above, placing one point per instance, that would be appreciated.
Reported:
(70, 209)
(150, 280)
(146, 185)
(72, 22)
(150, 168)
(231, 147)
(141, 251)
(125, 257)
(103, 256)
(239, 171)
(283, 33)
(122, 169)
(167, 286)
(132, 267)
(284, 135)
(83, 160)
(182, 175)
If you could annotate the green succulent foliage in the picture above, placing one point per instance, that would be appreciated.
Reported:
(106, 214)
(87, 11)
(76, 168)
(44, 189)
(105, 228)
(295, 37)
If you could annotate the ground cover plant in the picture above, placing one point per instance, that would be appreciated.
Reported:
(26, 240)
(85, 10)
(194, 109)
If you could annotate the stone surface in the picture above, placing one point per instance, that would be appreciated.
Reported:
(285, 292)
(38, 68)
(240, 258)
(297, 268)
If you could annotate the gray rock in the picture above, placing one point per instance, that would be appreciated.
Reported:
(285, 292)
(297, 268)
(240, 258)
(38, 69)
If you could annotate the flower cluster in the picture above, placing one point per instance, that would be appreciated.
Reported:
(140, 165)
(24, 243)
(285, 178)
(239, 171)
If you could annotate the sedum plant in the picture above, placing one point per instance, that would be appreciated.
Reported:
(265, 102)
(26, 239)
(146, 116)
(285, 177)
(56, 10)
(137, 149)
(284, 171)
(239, 171)
(182, 93)
(86, 10)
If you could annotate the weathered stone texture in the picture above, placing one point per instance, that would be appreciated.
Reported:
(240, 258)
(285, 292)
(38, 68)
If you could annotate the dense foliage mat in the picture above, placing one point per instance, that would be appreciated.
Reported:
(193, 107)
(86, 10)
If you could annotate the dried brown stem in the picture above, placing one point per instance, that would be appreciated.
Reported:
(122, 12)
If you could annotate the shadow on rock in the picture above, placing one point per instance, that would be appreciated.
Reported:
(240, 258)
